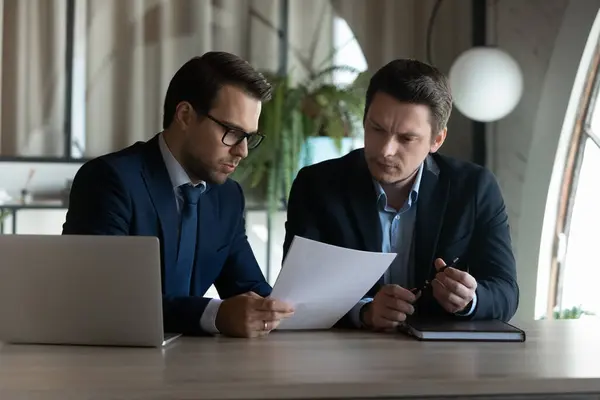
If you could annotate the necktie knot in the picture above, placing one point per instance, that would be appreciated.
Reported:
(191, 194)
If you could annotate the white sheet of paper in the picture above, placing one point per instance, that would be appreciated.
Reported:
(324, 282)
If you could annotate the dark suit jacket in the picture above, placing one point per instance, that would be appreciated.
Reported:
(460, 213)
(130, 193)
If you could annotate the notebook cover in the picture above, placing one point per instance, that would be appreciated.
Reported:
(457, 326)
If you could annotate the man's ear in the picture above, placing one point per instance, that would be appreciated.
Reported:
(184, 115)
(438, 140)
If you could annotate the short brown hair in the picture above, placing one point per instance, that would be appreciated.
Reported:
(413, 81)
(199, 80)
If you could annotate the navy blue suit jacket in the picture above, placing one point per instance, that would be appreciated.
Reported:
(460, 213)
(130, 193)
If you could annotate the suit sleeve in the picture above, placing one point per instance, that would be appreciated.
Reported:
(301, 218)
(241, 272)
(99, 204)
(497, 288)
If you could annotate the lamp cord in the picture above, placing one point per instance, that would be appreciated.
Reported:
(429, 36)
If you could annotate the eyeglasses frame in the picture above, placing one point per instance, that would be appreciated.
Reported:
(228, 128)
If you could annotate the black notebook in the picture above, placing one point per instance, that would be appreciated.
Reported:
(445, 329)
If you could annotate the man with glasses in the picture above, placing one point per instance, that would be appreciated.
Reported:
(176, 187)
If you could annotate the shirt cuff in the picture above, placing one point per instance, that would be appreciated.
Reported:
(209, 316)
(355, 312)
(471, 310)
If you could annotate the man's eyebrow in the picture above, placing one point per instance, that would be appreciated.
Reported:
(411, 134)
(374, 122)
(236, 126)
(405, 134)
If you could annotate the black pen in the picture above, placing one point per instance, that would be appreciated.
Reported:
(427, 283)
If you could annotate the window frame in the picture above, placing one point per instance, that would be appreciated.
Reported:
(581, 132)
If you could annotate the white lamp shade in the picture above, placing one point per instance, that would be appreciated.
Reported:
(486, 83)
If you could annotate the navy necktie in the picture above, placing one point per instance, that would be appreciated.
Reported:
(187, 239)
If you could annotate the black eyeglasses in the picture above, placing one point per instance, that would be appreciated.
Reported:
(234, 136)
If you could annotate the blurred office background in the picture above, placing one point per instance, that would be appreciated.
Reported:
(81, 78)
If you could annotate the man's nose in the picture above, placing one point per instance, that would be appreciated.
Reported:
(240, 149)
(389, 147)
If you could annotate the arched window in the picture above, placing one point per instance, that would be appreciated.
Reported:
(575, 269)
(347, 52)
(553, 181)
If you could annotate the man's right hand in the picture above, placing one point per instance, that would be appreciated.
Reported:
(250, 315)
(389, 307)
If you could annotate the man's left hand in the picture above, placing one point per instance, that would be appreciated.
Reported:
(452, 288)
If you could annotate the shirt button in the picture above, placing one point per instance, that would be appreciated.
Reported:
(397, 217)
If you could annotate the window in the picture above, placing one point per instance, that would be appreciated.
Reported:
(267, 237)
(577, 266)
(347, 52)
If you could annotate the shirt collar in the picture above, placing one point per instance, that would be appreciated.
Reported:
(176, 172)
(414, 192)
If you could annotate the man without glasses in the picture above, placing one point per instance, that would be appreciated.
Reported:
(399, 195)
(176, 186)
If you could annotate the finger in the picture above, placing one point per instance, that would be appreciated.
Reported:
(417, 292)
(398, 305)
(458, 303)
(450, 301)
(274, 325)
(439, 290)
(461, 276)
(270, 315)
(440, 293)
(439, 264)
(275, 305)
(388, 290)
(260, 326)
(384, 323)
(455, 287)
(253, 295)
(401, 293)
(392, 315)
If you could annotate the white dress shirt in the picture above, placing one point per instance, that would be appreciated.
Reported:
(178, 178)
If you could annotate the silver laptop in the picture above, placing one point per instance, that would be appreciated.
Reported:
(81, 290)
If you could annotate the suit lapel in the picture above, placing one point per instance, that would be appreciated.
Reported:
(363, 204)
(431, 206)
(159, 187)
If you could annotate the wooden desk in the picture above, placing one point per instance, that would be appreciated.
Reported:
(559, 357)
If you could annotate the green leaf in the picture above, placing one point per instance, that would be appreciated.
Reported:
(314, 107)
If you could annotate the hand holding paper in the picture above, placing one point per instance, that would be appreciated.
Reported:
(323, 282)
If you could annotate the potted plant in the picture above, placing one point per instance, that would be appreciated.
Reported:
(297, 112)
(575, 312)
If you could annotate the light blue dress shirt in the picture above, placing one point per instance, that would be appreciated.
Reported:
(397, 232)
(178, 178)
